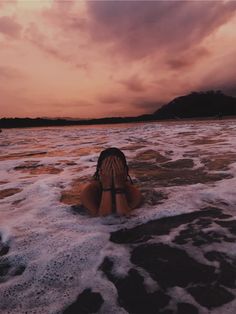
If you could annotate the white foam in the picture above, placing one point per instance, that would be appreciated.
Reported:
(62, 251)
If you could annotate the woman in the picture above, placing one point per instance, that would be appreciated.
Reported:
(110, 191)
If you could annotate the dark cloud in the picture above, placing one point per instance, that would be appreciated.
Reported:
(140, 28)
(147, 105)
(134, 84)
(187, 59)
(179, 63)
(110, 99)
(9, 27)
(230, 89)
(222, 76)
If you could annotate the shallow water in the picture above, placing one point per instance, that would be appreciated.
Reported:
(52, 253)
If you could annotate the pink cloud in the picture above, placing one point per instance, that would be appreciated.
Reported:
(7, 72)
(9, 27)
(65, 15)
(131, 55)
(34, 35)
(5, 3)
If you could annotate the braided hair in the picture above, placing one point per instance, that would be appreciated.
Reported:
(113, 151)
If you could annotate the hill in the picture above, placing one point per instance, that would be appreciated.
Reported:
(198, 104)
(213, 104)
(39, 122)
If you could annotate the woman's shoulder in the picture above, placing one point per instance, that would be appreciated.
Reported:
(129, 184)
(91, 185)
(95, 183)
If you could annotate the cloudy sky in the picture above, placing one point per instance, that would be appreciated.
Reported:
(111, 58)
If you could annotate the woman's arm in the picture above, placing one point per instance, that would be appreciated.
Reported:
(89, 197)
(105, 207)
(122, 207)
(120, 175)
(134, 196)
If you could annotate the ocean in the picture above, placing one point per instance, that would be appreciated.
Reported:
(51, 251)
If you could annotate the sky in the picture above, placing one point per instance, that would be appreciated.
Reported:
(92, 59)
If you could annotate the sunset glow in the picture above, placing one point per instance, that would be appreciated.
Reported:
(86, 59)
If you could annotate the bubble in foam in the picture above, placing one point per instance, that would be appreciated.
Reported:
(5, 234)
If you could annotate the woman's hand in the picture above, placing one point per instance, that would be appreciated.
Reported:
(105, 173)
(119, 173)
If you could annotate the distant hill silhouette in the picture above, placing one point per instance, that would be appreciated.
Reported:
(38, 122)
(197, 104)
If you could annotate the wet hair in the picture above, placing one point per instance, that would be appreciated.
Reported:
(112, 151)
